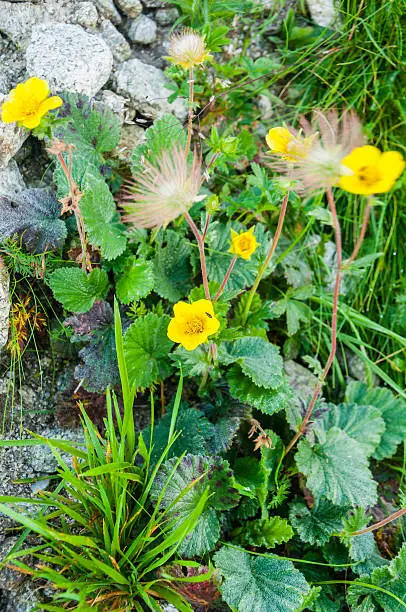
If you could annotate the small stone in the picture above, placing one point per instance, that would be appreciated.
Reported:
(265, 107)
(143, 30)
(119, 46)
(69, 58)
(4, 303)
(144, 85)
(11, 139)
(324, 12)
(11, 181)
(87, 15)
(40, 485)
(154, 3)
(131, 136)
(114, 102)
(132, 8)
(108, 10)
(166, 16)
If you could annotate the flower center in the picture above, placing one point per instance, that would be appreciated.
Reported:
(369, 175)
(194, 326)
(244, 244)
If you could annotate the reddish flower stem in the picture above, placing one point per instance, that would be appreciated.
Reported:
(381, 523)
(267, 259)
(225, 279)
(200, 244)
(361, 236)
(336, 294)
(206, 226)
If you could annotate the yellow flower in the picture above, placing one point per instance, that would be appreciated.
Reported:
(187, 49)
(287, 145)
(244, 244)
(193, 323)
(368, 171)
(28, 103)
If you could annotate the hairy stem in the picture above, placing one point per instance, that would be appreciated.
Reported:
(200, 244)
(225, 279)
(381, 523)
(363, 231)
(336, 294)
(190, 114)
(268, 258)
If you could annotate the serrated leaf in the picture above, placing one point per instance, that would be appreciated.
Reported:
(393, 412)
(193, 363)
(316, 525)
(268, 401)
(259, 360)
(259, 583)
(248, 508)
(135, 281)
(33, 214)
(391, 578)
(166, 129)
(363, 423)
(362, 548)
(224, 432)
(76, 290)
(264, 532)
(337, 469)
(146, 348)
(172, 268)
(102, 221)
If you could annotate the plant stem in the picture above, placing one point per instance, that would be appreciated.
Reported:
(225, 279)
(268, 258)
(206, 226)
(361, 236)
(200, 244)
(190, 114)
(381, 523)
(336, 294)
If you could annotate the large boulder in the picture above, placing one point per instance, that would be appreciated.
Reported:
(69, 58)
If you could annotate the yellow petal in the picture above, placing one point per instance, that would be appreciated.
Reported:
(392, 164)
(203, 306)
(212, 326)
(174, 332)
(278, 138)
(352, 184)
(34, 88)
(181, 309)
(50, 104)
(31, 121)
(362, 156)
(192, 342)
(10, 113)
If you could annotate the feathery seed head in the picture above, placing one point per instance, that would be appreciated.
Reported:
(187, 49)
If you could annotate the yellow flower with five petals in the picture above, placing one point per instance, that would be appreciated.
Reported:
(366, 170)
(193, 323)
(243, 245)
(28, 103)
(285, 144)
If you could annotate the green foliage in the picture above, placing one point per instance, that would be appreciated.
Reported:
(336, 468)
(259, 583)
(362, 548)
(146, 347)
(392, 410)
(258, 359)
(172, 268)
(135, 280)
(78, 290)
(102, 221)
(293, 307)
(197, 474)
(264, 532)
(267, 401)
(166, 129)
(316, 525)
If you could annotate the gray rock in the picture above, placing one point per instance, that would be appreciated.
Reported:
(114, 102)
(4, 83)
(11, 181)
(324, 12)
(118, 44)
(132, 8)
(143, 30)
(265, 107)
(166, 16)
(131, 136)
(144, 85)
(4, 303)
(69, 58)
(154, 3)
(87, 15)
(108, 10)
(11, 139)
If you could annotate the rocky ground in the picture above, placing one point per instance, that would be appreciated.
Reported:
(112, 52)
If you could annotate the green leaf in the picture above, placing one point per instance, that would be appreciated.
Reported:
(167, 129)
(172, 267)
(385, 588)
(259, 360)
(362, 423)
(224, 432)
(393, 412)
(194, 363)
(362, 548)
(259, 583)
(102, 221)
(146, 347)
(76, 290)
(264, 532)
(135, 281)
(337, 469)
(316, 525)
(267, 401)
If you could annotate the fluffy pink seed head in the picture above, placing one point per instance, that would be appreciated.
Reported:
(187, 49)
(162, 191)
